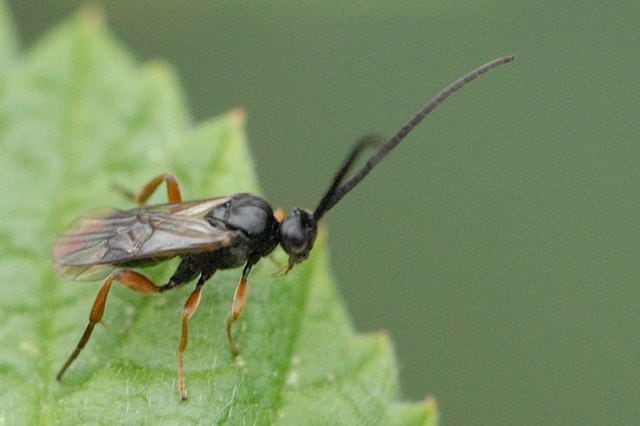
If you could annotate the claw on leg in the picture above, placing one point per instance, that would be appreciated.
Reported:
(190, 307)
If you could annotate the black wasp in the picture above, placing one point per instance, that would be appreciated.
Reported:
(208, 235)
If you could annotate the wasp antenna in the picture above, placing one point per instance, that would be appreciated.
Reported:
(331, 200)
(360, 146)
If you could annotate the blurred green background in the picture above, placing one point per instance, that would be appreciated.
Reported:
(499, 246)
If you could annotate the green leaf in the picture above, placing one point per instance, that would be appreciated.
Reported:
(78, 116)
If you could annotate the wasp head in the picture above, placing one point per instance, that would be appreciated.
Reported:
(298, 232)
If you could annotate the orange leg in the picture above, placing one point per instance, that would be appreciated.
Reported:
(189, 309)
(173, 189)
(239, 301)
(174, 194)
(131, 279)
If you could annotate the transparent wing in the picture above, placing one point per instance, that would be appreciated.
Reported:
(97, 242)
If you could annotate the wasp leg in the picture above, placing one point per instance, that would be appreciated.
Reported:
(190, 307)
(239, 300)
(131, 279)
(174, 194)
(183, 274)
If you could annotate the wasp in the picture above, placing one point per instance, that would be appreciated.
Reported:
(207, 235)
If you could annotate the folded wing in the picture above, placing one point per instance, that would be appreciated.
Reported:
(98, 242)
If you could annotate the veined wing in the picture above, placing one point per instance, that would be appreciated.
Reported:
(97, 241)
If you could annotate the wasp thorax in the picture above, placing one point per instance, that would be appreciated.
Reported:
(297, 234)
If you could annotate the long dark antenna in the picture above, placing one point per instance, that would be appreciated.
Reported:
(330, 200)
(367, 141)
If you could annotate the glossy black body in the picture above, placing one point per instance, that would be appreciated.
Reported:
(256, 233)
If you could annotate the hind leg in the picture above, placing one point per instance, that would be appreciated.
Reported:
(133, 280)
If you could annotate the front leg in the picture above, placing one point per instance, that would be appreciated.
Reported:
(239, 300)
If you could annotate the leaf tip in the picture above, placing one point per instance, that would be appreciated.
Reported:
(92, 15)
(384, 337)
(431, 409)
(424, 413)
(238, 116)
(431, 404)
